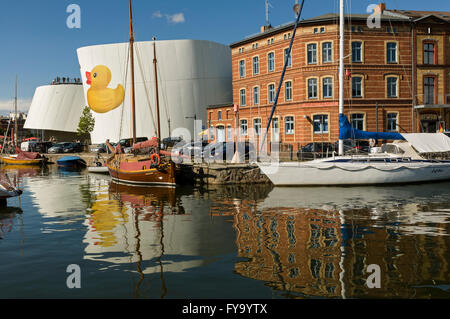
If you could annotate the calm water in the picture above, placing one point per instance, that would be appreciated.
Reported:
(225, 242)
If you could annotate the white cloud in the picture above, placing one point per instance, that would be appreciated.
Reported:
(171, 18)
(23, 105)
(176, 18)
(157, 15)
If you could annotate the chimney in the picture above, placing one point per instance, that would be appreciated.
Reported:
(380, 8)
(265, 28)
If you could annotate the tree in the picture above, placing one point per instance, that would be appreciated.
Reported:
(86, 124)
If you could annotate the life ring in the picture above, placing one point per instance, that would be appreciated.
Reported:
(155, 159)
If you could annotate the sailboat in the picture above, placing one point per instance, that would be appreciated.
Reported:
(154, 167)
(373, 169)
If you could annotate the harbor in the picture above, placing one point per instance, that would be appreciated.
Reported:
(309, 160)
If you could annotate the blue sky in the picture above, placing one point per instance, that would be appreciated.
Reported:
(37, 45)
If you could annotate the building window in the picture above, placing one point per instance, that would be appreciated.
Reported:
(229, 134)
(392, 87)
(271, 62)
(242, 68)
(312, 89)
(392, 119)
(289, 125)
(243, 99)
(288, 91)
(327, 52)
(357, 86)
(320, 124)
(271, 93)
(322, 30)
(428, 89)
(356, 51)
(257, 126)
(391, 50)
(428, 53)
(357, 121)
(219, 115)
(327, 87)
(256, 95)
(255, 65)
(244, 127)
(312, 53)
(287, 58)
(316, 30)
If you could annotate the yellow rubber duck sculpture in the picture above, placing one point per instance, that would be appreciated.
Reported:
(100, 98)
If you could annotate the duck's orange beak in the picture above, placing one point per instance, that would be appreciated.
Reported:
(89, 78)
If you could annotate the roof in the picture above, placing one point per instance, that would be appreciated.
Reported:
(329, 17)
(390, 15)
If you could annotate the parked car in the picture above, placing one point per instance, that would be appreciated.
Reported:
(58, 148)
(315, 150)
(100, 148)
(191, 149)
(73, 148)
(128, 142)
(40, 147)
(225, 151)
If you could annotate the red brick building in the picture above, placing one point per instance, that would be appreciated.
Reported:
(381, 84)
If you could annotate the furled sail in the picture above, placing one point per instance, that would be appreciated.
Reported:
(346, 131)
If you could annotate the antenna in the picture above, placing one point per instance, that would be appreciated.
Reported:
(267, 12)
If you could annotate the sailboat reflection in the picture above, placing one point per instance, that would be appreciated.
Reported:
(139, 226)
(313, 242)
(7, 217)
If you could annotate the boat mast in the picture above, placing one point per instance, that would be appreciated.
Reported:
(341, 70)
(133, 97)
(155, 65)
(15, 116)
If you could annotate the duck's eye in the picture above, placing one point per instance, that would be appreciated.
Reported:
(95, 75)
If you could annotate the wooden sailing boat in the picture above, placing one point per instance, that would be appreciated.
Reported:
(154, 167)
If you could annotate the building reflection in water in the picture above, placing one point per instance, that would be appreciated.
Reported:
(325, 252)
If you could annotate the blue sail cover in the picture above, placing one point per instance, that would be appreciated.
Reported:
(346, 131)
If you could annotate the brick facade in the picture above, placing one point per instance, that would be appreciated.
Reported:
(378, 85)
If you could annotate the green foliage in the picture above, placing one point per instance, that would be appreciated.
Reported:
(87, 123)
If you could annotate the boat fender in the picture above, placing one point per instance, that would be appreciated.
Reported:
(155, 159)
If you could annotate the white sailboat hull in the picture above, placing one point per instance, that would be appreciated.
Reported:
(320, 173)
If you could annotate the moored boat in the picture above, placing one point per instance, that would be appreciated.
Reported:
(71, 161)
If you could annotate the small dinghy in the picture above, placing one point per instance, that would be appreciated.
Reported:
(71, 161)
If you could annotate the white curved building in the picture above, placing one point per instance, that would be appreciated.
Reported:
(56, 108)
(192, 74)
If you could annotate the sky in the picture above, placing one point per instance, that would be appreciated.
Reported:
(37, 45)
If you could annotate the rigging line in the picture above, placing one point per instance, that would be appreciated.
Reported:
(125, 88)
(145, 87)
(283, 73)
(164, 96)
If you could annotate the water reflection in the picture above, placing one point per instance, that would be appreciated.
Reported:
(318, 242)
(8, 216)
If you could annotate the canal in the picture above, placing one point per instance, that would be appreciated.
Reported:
(221, 242)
